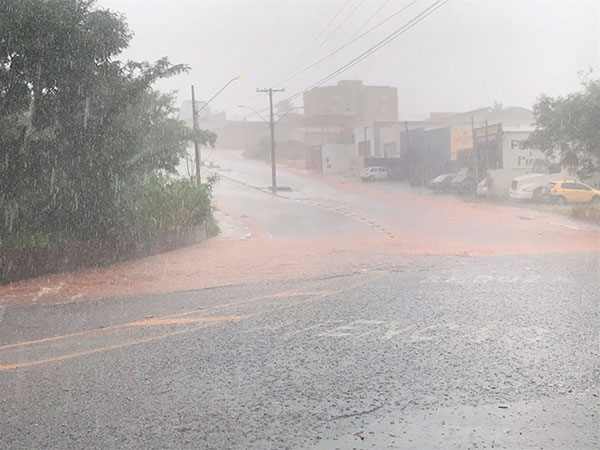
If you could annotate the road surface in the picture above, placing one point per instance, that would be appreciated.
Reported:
(337, 315)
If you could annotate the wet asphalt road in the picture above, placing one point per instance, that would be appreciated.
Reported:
(428, 352)
(412, 352)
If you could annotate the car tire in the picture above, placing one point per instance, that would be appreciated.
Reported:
(537, 194)
(561, 200)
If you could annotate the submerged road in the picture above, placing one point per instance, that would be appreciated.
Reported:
(320, 319)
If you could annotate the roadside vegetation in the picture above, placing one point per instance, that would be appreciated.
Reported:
(567, 127)
(88, 149)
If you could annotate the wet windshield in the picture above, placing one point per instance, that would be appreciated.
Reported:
(300, 224)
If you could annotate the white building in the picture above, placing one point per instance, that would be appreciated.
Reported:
(504, 154)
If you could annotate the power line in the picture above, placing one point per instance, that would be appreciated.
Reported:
(358, 5)
(315, 39)
(391, 37)
(339, 11)
(395, 34)
(350, 42)
(359, 29)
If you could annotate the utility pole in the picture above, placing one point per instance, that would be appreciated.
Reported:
(270, 91)
(487, 150)
(195, 128)
(475, 149)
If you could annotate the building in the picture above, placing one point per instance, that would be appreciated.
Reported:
(351, 103)
(444, 141)
(502, 154)
(341, 117)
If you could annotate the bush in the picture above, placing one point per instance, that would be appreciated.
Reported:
(589, 213)
(164, 203)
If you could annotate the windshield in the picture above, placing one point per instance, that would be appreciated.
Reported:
(300, 224)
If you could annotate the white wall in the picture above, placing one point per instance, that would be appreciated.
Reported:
(341, 159)
(517, 160)
(516, 156)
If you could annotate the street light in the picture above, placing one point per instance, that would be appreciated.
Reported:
(195, 122)
(253, 110)
(289, 111)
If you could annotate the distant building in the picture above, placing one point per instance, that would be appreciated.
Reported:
(339, 122)
(444, 141)
(351, 103)
(502, 153)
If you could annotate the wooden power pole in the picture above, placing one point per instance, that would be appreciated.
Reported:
(195, 127)
(270, 91)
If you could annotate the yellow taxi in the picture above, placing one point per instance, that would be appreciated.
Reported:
(573, 191)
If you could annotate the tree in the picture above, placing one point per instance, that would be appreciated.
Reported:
(568, 127)
(78, 127)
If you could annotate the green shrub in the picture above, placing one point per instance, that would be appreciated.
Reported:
(35, 240)
(163, 203)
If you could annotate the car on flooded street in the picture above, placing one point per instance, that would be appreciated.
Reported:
(575, 192)
(374, 174)
(463, 182)
(441, 183)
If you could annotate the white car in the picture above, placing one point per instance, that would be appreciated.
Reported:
(530, 186)
(527, 189)
(374, 173)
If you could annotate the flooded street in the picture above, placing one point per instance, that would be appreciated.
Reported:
(322, 226)
(363, 321)
(300, 224)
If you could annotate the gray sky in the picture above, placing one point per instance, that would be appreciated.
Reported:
(467, 54)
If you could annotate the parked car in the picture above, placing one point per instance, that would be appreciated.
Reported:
(546, 196)
(573, 191)
(527, 190)
(374, 173)
(530, 186)
(463, 182)
(440, 183)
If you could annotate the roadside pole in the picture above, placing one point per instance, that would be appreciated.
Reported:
(195, 128)
(475, 152)
(487, 150)
(195, 123)
(270, 91)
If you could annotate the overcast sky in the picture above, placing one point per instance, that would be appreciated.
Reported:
(469, 53)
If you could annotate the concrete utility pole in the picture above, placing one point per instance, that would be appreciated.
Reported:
(195, 127)
(270, 91)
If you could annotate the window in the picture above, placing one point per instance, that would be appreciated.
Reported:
(569, 185)
(581, 187)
